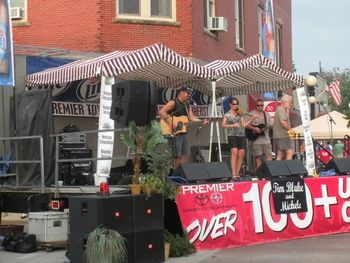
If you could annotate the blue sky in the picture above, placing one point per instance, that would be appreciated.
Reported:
(321, 32)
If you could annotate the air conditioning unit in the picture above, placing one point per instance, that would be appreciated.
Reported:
(16, 13)
(217, 23)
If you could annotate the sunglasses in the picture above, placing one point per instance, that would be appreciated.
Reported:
(259, 105)
(234, 104)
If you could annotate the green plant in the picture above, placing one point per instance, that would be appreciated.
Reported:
(153, 182)
(105, 246)
(141, 142)
(179, 245)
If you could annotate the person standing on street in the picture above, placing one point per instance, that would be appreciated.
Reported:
(339, 149)
(282, 128)
(260, 139)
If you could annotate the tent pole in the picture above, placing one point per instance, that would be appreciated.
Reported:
(213, 87)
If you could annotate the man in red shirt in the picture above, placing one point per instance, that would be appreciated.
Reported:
(323, 155)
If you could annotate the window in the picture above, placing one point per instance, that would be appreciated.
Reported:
(239, 23)
(209, 11)
(163, 10)
(18, 10)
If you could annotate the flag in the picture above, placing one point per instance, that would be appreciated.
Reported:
(334, 91)
(268, 32)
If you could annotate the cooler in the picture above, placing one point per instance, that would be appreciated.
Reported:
(48, 226)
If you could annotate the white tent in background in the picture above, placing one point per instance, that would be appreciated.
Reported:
(321, 127)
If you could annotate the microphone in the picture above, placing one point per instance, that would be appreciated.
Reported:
(192, 102)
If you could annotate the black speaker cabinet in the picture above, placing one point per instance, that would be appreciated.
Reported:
(134, 100)
(341, 165)
(141, 246)
(148, 213)
(281, 168)
(203, 172)
(88, 212)
(145, 246)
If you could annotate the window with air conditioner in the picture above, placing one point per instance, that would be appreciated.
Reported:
(209, 12)
(18, 10)
(158, 10)
(239, 23)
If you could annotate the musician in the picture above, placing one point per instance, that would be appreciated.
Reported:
(282, 128)
(234, 122)
(179, 107)
(261, 146)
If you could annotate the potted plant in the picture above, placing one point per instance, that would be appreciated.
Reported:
(105, 245)
(142, 143)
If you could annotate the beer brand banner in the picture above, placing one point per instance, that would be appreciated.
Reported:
(228, 215)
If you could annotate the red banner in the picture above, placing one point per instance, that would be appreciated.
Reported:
(237, 214)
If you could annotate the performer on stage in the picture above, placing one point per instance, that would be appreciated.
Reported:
(174, 117)
(282, 128)
(260, 139)
(234, 122)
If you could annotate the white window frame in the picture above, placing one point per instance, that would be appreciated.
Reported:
(210, 6)
(145, 12)
(24, 11)
(239, 24)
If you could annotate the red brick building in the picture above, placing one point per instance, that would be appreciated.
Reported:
(182, 25)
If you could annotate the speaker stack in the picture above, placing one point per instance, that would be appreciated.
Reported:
(134, 100)
(341, 165)
(281, 168)
(203, 172)
(138, 219)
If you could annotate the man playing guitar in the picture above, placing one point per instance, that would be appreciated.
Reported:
(259, 128)
(178, 108)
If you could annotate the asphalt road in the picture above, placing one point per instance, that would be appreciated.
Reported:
(322, 249)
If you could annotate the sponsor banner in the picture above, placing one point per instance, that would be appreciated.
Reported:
(105, 141)
(288, 195)
(305, 119)
(7, 78)
(228, 215)
(75, 109)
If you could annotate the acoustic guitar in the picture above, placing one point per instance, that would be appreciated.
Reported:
(181, 123)
(252, 135)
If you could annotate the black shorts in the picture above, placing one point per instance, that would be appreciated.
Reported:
(236, 142)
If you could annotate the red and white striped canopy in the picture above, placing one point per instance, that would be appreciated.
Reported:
(155, 62)
(253, 75)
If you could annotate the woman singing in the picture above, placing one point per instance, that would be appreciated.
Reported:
(234, 122)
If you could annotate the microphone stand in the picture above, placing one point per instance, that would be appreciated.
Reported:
(331, 120)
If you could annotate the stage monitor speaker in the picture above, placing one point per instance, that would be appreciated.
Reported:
(134, 100)
(296, 167)
(270, 169)
(203, 172)
(341, 165)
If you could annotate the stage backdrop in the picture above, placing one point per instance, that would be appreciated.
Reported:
(237, 214)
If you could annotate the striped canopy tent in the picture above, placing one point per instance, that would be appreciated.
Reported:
(253, 75)
(156, 62)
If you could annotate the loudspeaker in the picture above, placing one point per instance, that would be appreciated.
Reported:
(281, 168)
(341, 165)
(88, 212)
(296, 167)
(207, 172)
(134, 100)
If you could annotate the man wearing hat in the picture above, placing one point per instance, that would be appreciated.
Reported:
(179, 109)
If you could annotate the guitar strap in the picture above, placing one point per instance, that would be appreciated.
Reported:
(265, 119)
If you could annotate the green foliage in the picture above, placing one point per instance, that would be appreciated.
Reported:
(105, 246)
(142, 142)
(179, 245)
